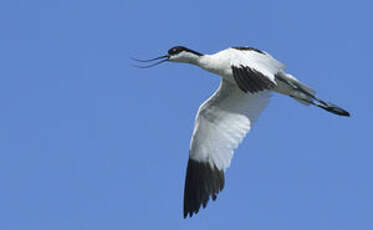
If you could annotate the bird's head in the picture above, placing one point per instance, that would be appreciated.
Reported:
(183, 54)
(175, 54)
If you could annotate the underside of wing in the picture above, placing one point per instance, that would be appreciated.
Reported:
(221, 124)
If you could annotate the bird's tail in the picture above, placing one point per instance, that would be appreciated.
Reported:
(306, 95)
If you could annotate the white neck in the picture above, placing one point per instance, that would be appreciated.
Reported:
(210, 63)
(207, 62)
(203, 61)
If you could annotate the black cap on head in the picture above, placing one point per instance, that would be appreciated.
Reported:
(178, 49)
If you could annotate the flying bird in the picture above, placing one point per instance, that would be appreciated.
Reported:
(249, 76)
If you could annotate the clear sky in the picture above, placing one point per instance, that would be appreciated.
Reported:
(87, 141)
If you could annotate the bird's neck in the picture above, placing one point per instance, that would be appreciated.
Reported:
(203, 61)
(207, 62)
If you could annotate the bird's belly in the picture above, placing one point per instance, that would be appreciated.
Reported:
(225, 73)
(227, 77)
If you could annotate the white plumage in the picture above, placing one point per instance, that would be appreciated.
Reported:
(227, 116)
(223, 121)
(249, 76)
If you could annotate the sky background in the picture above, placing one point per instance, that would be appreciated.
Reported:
(87, 141)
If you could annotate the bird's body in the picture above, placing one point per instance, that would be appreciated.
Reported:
(221, 64)
(249, 76)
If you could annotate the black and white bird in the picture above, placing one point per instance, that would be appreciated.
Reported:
(249, 76)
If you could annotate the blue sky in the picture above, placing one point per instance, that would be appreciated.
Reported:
(89, 142)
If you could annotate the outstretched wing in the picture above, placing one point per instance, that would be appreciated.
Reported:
(221, 124)
(254, 70)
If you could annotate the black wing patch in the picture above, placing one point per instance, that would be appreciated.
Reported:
(251, 80)
(201, 182)
(248, 48)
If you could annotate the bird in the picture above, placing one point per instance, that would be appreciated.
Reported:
(249, 77)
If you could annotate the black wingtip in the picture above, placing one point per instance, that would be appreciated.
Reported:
(335, 109)
(201, 182)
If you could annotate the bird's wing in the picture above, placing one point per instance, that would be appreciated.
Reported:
(254, 70)
(221, 124)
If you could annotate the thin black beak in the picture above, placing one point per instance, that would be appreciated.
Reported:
(150, 60)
